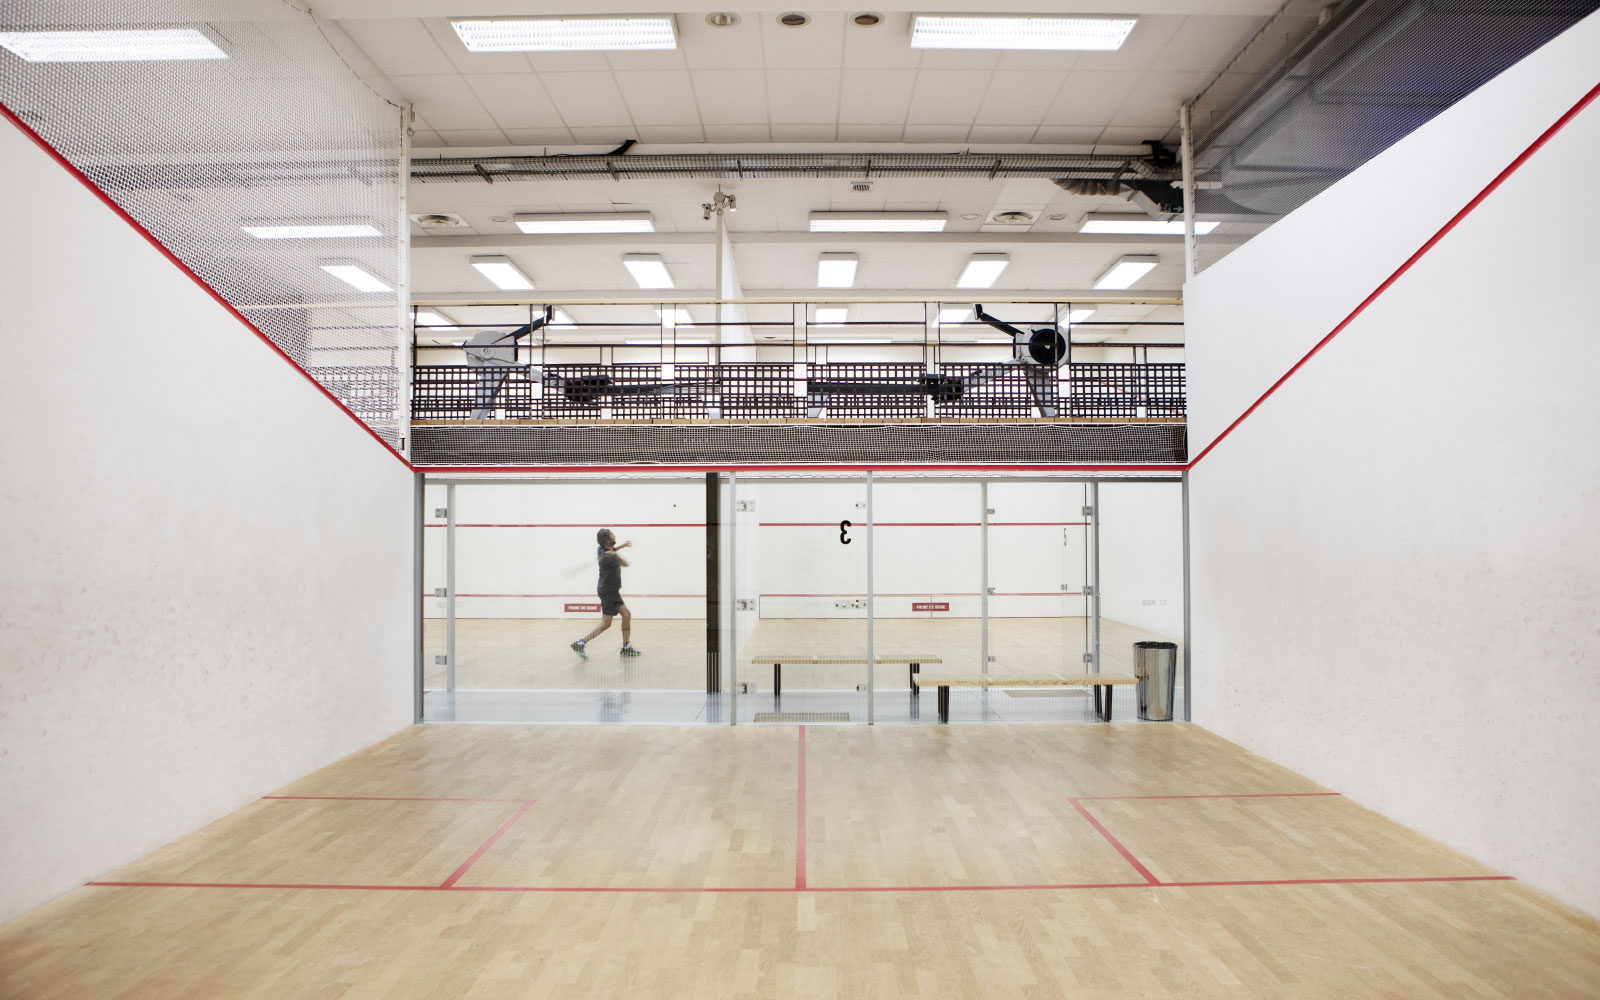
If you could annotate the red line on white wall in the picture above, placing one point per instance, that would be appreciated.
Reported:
(122, 213)
(1433, 240)
(589, 526)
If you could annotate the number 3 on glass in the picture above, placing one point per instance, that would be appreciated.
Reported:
(844, 526)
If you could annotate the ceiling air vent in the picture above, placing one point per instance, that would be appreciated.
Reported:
(439, 220)
(1013, 218)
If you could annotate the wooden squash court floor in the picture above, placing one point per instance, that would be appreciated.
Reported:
(1123, 860)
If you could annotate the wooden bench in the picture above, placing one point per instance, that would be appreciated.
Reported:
(913, 660)
(944, 682)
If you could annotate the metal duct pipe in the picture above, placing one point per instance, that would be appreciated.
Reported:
(850, 166)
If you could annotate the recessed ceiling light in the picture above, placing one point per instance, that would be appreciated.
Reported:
(971, 216)
(723, 19)
(566, 34)
(877, 222)
(1128, 269)
(499, 269)
(356, 277)
(310, 231)
(836, 270)
(608, 222)
(1139, 225)
(794, 19)
(155, 45)
(867, 18)
(1093, 34)
(648, 270)
(982, 270)
(830, 315)
(435, 321)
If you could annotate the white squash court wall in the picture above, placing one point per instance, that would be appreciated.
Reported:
(1395, 559)
(208, 565)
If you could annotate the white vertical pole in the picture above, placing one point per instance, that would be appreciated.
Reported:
(983, 570)
(733, 598)
(1187, 152)
(403, 292)
(450, 589)
(871, 611)
(1094, 542)
(1187, 703)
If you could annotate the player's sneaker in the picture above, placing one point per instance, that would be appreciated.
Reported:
(628, 650)
(577, 647)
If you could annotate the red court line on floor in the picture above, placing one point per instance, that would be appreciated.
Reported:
(456, 876)
(1433, 240)
(800, 819)
(1128, 855)
(54, 154)
(1241, 795)
(387, 798)
(1377, 880)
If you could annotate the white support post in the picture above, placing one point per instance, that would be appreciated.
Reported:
(1187, 152)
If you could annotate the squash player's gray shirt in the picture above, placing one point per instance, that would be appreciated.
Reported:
(610, 584)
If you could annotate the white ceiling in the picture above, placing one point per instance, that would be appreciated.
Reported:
(828, 86)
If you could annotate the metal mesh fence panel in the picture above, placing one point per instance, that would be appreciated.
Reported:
(261, 125)
(1345, 82)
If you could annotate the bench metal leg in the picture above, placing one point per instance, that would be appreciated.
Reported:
(916, 668)
(777, 680)
(944, 703)
(1106, 715)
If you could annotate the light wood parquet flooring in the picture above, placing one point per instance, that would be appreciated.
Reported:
(963, 861)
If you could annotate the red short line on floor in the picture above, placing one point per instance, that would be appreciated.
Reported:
(1128, 855)
(1220, 795)
(1346, 881)
(456, 876)
(800, 819)
(385, 798)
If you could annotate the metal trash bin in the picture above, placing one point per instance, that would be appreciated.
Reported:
(1155, 665)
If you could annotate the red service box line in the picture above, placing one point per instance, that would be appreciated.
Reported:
(930, 606)
(589, 608)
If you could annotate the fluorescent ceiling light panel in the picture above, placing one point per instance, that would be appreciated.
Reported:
(566, 34)
(831, 315)
(561, 319)
(1127, 270)
(310, 231)
(505, 275)
(435, 321)
(648, 270)
(613, 222)
(1082, 34)
(156, 45)
(1076, 314)
(956, 314)
(877, 222)
(657, 343)
(982, 270)
(850, 340)
(836, 270)
(678, 317)
(1139, 225)
(358, 278)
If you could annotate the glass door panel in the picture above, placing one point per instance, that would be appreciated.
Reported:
(1141, 575)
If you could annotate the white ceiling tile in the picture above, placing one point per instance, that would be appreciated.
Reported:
(467, 62)
(803, 96)
(659, 97)
(738, 133)
(446, 101)
(815, 45)
(516, 100)
(671, 133)
(1202, 44)
(803, 133)
(398, 46)
(1001, 133)
(875, 95)
(602, 135)
(947, 97)
(1156, 97)
(635, 62)
(425, 139)
(959, 58)
(1058, 62)
(1019, 97)
(1070, 134)
(588, 99)
(706, 47)
(1145, 43)
(1090, 98)
(937, 133)
(891, 132)
(883, 46)
(473, 137)
(540, 136)
(731, 96)
(569, 62)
